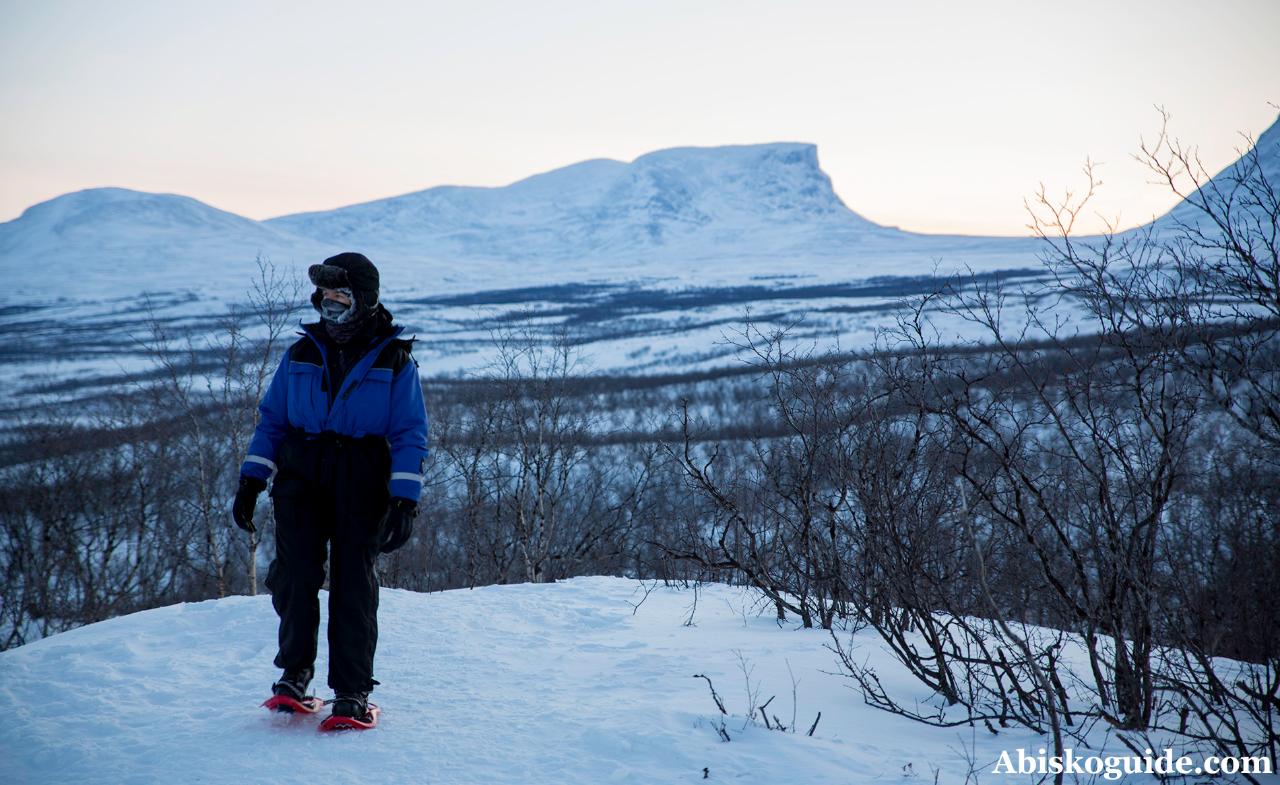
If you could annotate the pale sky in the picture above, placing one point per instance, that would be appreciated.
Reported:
(931, 116)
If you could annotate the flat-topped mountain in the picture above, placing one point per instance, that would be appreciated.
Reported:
(692, 201)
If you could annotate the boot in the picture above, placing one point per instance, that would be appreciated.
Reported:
(293, 683)
(351, 704)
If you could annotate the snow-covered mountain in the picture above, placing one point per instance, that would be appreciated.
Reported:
(696, 202)
(739, 211)
(103, 238)
(1259, 164)
(646, 261)
(733, 212)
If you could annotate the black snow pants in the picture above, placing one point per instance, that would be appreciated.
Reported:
(332, 491)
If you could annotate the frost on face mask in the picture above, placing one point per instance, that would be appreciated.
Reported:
(335, 311)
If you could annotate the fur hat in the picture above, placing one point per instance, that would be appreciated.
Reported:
(348, 270)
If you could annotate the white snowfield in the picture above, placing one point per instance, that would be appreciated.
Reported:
(526, 684)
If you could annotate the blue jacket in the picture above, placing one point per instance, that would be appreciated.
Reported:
(380, 396)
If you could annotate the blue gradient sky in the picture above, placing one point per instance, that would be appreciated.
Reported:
(933, 116)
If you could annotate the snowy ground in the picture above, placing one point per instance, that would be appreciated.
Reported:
(526, 684)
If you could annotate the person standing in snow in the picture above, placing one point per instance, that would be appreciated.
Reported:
(343, 431)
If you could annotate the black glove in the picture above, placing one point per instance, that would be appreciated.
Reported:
(399, 524)
(246, 500)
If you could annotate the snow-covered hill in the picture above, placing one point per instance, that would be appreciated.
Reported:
(108, 242)
(557, 684)
(1260, 163)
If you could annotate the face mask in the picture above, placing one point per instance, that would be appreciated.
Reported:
(335, 311)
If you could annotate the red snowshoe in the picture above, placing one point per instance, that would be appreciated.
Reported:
(338, 722)
(286, 704)
(352, 711)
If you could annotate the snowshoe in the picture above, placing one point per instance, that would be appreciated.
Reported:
(286, 704)
(289, 694)
(351, 711)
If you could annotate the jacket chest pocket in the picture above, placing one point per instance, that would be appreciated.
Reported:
(369, 404)
(307, 403)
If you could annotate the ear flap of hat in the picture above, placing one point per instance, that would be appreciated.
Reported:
(328, 276)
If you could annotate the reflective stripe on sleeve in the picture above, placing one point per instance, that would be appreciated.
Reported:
(259, 459)
(406, 476)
